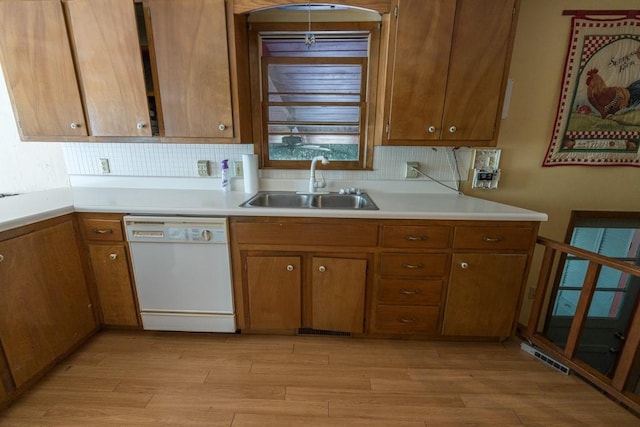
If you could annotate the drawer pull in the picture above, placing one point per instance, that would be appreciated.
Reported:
(1, 257)
(289, 267)
(405, 320)
(464, 265)
(102, 231)
(413, 266)
(113, 257)
(415, 238)
(322, 269)
(408, 292)
(492, 239)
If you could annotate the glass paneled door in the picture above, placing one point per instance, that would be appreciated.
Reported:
(615, 298)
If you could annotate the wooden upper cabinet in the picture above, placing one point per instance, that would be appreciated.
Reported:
(192, 61)
(38, 68)
(109, 62)
(417, 78)
(447, 71)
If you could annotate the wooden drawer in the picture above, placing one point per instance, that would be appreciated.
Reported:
(102, 229)
(413, 265)
(409, 292)
(419, 237)
(306, 233)
(407, 319)
(501, 238)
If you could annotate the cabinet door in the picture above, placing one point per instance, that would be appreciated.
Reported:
(483, 295)
(481, 39)
(274, 292)
(110, 70)
(338, 292)
(447, 70)
(38, 68)
(111, 272)
(192, 59)
(418, 73)
(44, 302)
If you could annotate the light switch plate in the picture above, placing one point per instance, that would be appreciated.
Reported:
(487, 158)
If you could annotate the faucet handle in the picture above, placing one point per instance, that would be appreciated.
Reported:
(320, 182)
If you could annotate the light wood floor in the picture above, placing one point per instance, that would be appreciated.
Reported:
(137, 378)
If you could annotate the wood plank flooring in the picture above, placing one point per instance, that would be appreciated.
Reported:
(143, 378)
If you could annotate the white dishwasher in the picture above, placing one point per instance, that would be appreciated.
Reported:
(182, 272)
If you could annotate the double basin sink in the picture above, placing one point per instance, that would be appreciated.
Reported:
(293, 200)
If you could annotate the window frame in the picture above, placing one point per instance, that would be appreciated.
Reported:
(369, 99)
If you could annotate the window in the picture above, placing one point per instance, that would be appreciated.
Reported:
(316, 99)
(615, 238)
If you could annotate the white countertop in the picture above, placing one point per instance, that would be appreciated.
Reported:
(27, 208)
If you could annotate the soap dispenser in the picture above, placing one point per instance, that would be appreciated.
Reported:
(224, 174)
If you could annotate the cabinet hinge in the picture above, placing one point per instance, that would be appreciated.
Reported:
(395, 12)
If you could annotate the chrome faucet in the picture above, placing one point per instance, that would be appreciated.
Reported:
(313, 182)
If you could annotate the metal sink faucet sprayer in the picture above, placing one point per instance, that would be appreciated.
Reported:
(313, 182)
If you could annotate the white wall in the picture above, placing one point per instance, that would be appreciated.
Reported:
(26, 166)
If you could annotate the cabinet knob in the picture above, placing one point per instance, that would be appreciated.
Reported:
(322, 269)
(453, 129)
(289, 267)
(431, 129)
(1, 257)
(221, 127)
(464, 265)
(74, 125)
(141, 125)
(113, 257)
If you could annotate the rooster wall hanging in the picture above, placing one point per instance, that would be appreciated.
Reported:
(598, 117)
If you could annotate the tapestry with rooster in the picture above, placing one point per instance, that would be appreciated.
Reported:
(598, 117)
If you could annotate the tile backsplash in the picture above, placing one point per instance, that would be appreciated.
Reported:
(180, 160)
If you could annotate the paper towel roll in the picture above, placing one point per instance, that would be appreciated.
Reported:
(250, 171)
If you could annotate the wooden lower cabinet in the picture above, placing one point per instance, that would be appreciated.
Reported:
(113, 282)
(407, 319)
(311, 273)
(421, 278)
(274, 292)
(108, 255)
(45, 309)
(484, 293)
(338, 294)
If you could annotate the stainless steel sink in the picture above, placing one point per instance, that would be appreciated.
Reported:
(288, 199)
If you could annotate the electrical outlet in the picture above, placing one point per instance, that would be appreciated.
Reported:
(104, 164)
(238, 170)
(204, 168)
(410, 170)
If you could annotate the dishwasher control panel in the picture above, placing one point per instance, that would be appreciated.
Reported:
(176, 229)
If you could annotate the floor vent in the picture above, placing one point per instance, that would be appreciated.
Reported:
(546, 359)
(311, 331)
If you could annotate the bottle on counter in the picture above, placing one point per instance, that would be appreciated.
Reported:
(224, 174)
